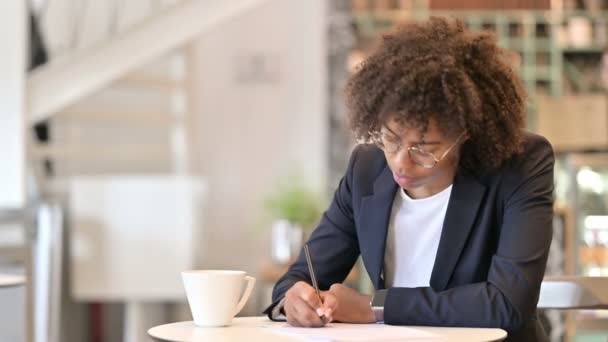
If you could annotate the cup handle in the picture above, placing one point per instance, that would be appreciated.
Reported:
(246, 294)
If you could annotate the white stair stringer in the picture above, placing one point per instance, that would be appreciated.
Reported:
(56, 85)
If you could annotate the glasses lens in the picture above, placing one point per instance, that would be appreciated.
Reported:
(424, 159)
(388, 143)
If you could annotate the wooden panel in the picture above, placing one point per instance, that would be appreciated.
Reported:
(573, 122)
(489, 5)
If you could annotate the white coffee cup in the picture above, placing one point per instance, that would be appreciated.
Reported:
(216, 296)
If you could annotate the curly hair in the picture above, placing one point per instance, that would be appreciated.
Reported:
(439, 69)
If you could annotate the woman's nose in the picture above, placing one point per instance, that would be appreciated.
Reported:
(402, 159)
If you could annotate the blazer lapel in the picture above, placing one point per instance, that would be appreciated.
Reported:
(375, 215)
(467, 194)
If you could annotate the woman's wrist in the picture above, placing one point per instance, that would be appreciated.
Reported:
(369, 316)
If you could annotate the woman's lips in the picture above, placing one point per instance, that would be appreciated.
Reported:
(404, 181)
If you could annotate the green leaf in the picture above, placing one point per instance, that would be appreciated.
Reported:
(294, 202)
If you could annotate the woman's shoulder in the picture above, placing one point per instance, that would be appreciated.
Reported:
(536, 159)
(534, 143)
(537, 150)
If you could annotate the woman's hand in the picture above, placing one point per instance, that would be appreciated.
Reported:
(351, 306)
(304, 309)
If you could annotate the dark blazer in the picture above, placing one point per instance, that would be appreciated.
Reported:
(492, 252)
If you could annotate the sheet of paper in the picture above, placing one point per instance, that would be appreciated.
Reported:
(352, 332)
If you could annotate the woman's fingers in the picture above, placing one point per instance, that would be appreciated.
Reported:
(301, 306)
(301, 314)
(330, 304)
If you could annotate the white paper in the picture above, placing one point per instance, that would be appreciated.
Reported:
(352, 332)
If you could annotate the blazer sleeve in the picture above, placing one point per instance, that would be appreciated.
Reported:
(333, 244)
(508, 298)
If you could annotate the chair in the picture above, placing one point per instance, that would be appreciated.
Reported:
(571, 293)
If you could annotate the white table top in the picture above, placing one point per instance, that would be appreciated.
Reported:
(7, 280)
(247, 329)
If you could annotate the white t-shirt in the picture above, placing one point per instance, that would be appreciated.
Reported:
(413, 238)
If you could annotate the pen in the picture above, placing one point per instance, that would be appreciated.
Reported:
(312, 276)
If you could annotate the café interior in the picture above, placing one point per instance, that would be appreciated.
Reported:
(142, 138)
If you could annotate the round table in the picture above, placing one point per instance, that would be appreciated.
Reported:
(10, 280)
(248, 329)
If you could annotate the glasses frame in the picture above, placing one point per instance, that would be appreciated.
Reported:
(377, 140)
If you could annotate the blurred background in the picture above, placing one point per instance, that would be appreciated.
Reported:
(145, 137)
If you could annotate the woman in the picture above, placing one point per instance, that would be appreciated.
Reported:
(449, 206)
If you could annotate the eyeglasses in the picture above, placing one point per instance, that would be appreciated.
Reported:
(420, 157)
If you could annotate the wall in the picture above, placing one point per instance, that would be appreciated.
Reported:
(12, 78)
(260, 102)
(12, 325)
(12, 148)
